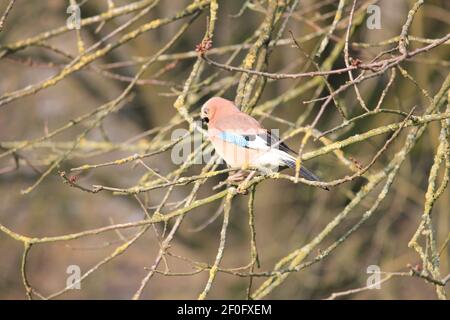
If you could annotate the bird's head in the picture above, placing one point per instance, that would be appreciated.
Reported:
(204, 113)
(214, 107)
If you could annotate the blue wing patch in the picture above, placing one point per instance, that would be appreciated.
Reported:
(234, 138)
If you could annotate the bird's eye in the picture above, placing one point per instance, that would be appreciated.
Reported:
(206, 120)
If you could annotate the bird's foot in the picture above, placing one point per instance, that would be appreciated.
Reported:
(237, 176)
(232, 180)
(242, 190)
(243, 187)
(240, 180)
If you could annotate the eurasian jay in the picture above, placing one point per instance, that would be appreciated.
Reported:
(242, 142)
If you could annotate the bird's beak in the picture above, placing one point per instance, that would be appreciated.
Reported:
(204, 115)
(205, 120)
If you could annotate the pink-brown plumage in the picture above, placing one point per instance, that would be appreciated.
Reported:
(242, 142)
(222, 116)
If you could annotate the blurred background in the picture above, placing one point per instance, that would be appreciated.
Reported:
(287, 215)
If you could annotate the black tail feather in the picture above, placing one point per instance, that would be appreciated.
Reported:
(304, 173)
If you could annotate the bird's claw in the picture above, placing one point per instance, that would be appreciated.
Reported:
(242, 190)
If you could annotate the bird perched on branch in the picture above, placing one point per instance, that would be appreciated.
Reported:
(243, 143)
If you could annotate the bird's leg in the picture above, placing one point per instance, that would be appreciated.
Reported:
(243, 186)
(237, 176)
(232, 179)
(240, 178)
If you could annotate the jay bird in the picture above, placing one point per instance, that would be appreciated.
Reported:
(242, 142)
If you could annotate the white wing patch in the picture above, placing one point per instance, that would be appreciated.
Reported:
(258, 143)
